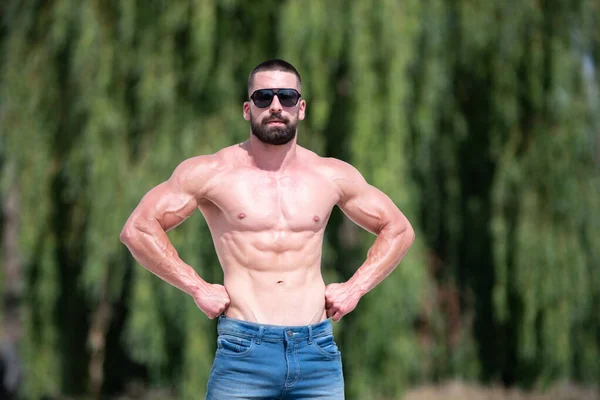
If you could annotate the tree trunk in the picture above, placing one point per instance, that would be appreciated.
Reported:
(10, 369)
(97, 340)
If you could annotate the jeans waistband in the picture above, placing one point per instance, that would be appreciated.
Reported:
(260, 332)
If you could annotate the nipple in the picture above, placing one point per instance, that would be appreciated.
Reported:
(316, 219)
(241, 215)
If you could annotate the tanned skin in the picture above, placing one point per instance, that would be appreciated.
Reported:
(267, 207)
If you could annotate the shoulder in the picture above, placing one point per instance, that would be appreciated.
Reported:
(195, 167)
(343, 176)
(202, 169)
(334, 169)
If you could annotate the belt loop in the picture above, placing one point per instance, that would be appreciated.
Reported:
(260, 334)
(309, 334)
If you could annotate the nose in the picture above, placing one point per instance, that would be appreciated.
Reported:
(275, 106)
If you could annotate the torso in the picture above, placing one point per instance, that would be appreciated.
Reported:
(267, 227)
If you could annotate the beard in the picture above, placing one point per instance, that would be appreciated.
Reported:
(275, 135)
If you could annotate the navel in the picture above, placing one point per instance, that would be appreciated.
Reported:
(241, 215)
(280, 283)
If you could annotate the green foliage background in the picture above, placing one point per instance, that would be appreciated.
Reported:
(480, 119)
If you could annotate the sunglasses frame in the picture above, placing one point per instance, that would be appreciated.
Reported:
(274, 92)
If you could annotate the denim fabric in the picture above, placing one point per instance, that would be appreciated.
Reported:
(255, 361)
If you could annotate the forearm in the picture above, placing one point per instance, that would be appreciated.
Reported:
(151, 247)
(383, 257)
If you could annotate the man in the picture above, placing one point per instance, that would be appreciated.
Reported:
(267, 202)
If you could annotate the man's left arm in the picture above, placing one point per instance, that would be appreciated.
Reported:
(374, 211)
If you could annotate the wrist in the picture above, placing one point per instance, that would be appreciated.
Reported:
(356, 287)
(199, 288)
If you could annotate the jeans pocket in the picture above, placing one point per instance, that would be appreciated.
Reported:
(233, 345)
(326, 345)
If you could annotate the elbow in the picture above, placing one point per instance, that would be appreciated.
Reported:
(127, 233)
(409, 232)
(403, 230)
(134, 229)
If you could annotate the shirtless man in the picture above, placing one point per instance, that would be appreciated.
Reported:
(267, 202)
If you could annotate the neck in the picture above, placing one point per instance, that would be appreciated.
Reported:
(271, 157)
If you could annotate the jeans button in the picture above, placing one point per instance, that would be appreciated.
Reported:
(290, 333)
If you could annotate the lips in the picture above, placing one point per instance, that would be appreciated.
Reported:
(275, 121)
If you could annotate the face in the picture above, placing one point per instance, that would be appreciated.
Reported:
(276, 124)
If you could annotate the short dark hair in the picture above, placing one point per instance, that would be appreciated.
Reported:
(274, 64)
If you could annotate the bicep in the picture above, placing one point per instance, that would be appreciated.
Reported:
(173, 201)
(368, 207)
(364, 204)
(167, 204)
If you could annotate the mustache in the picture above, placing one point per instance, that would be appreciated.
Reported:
(276, 118)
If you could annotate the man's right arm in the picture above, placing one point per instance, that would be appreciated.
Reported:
(161, 209)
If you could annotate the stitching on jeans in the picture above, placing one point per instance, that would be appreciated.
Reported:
(283, 393)
(325, 353)
(322, 334)
(229, 353)
(297, 363)
(265, 338)
(234, 333)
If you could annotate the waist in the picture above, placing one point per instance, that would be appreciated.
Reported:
(253, 330)
(275, 297)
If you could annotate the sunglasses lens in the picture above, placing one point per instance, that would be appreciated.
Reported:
(288, 97)
(262, 98)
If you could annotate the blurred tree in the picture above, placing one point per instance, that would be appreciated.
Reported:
(10, 365)
(505, 122)
(481, 121)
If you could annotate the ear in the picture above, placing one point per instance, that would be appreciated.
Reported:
(246, 111)
(301, 110)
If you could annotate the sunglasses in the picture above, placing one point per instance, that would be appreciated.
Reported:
(262, 98)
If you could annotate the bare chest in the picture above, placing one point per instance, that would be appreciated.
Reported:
(256, 202)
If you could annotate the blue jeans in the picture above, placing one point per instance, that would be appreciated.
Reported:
(255, 361)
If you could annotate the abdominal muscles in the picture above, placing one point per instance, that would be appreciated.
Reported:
(273, 277)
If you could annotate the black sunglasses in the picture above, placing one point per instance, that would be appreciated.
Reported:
(262, 98)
